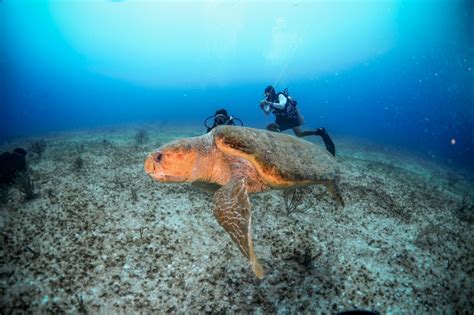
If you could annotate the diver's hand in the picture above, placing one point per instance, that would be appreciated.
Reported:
(266, 107)
(265, 103)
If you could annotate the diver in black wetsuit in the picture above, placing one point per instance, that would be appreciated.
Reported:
(288, 116)
(221, 117)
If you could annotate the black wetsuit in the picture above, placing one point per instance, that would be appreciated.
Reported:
(289, 116)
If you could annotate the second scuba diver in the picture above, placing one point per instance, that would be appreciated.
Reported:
(221, 117)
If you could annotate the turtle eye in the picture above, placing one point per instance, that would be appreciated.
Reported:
(157, 157)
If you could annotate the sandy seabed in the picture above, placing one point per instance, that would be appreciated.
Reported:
(105, 238)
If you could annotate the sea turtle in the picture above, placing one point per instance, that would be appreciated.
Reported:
(236, 161)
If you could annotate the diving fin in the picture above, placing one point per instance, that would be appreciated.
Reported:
(327, 140)
(329, 144)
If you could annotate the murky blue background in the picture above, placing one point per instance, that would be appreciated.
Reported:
(396, 72)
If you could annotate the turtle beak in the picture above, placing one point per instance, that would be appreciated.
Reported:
(150, 164)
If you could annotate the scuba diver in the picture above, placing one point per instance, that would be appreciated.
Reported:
(11, 163)
(288, 116)
(221, 118)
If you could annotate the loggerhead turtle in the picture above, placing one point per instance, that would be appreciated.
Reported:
(237, 161)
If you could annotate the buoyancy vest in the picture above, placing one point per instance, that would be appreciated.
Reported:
(290, 108)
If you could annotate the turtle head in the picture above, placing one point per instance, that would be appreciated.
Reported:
(172, 162)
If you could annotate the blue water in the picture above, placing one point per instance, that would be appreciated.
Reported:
(396, 72)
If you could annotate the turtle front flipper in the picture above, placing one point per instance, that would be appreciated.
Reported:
(232, 211)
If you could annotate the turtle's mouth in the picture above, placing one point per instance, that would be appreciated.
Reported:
(161, 177)
(149, 165)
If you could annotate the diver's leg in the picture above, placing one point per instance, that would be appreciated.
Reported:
(273, 127)
(319, 132)
(300, 133)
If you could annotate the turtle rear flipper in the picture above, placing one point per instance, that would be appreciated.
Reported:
(232, 211)
(333, 187)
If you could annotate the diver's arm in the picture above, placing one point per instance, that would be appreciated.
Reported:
(280, 104)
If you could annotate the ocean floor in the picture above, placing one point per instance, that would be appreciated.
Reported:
(101, 237)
